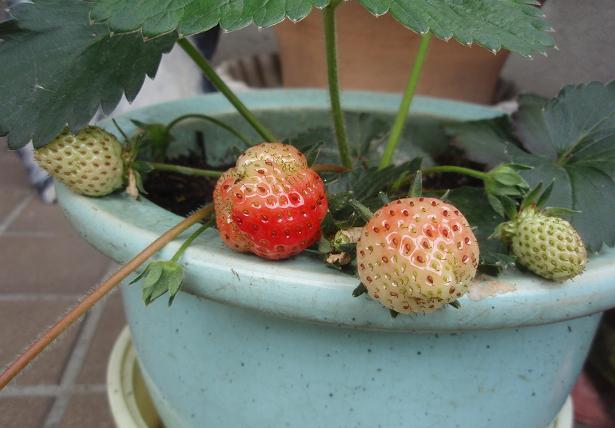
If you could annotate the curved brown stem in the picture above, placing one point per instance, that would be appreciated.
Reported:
(329, 167)
(98, 293)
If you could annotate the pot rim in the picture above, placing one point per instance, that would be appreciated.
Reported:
(303, 288)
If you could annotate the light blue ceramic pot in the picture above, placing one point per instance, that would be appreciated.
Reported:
(251, 343)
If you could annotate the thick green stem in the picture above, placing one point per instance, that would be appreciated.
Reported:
(456, 169)
(198, 172)
(334, 87)
(404, 107)
(185, 170)
(213, 77)
(213, 120)
(189, 240)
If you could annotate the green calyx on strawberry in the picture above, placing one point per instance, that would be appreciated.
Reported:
(89, 162)
(504, 181)
(271, 203)
(540, 240)
(548, 246)
(417, 255)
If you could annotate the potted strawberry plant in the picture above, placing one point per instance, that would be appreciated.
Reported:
(264, 330)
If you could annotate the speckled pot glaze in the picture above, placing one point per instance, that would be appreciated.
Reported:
(251, 343)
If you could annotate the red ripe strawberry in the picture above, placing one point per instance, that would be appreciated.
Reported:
(417, 255)
(271, 204)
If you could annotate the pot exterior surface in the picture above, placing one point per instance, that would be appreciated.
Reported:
(254, 343)
(209, 364)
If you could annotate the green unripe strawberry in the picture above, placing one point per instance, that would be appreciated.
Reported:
(89, 163)
(548, 246)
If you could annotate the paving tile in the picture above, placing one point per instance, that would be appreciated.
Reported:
(43, 219)
(88, 410)
(28, 412)
(20, 323)
(9, 199)
(48, 265)
(5, 153)
(94, 369)
(12, 174)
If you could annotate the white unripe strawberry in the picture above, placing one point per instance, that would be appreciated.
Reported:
(417, 255)
(89, 163)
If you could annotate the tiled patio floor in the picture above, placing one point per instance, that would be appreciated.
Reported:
(44, 268)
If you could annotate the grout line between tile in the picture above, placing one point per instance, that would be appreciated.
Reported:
(74, 365)
(50, 390)
(15, 213)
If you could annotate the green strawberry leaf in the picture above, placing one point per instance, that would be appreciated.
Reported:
(362, 186)
(366, 183)
(490, 142)
(516, 25)
(570, 141)
(472, 202)
(62, 69)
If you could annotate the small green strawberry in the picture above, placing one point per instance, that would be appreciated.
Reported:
(417, 255)
(89, 163)
(546, 245)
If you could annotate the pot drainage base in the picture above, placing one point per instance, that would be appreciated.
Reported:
(132, 406)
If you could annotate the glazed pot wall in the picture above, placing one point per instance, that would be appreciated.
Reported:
(208, 364)
(507, 358)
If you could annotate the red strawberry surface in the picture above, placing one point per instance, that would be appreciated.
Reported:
(417, 255)
(271, 203)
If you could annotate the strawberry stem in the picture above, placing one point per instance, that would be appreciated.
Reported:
(329, 167)
(98, 293)
(211, 119)
(159, 166)
(185, 170)
(190, 239)
(119, 128)
(456, 169)
(217, 81)
(404, 107)
(334, 84)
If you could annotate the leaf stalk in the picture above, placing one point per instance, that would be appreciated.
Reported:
(456, 169)
(404, 107)
(217, 81)
(180, 252)
(185, 170)
(334, 85)
(211, 119)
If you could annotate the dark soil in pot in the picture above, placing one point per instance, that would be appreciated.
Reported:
(182, 194)
(178, 193)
